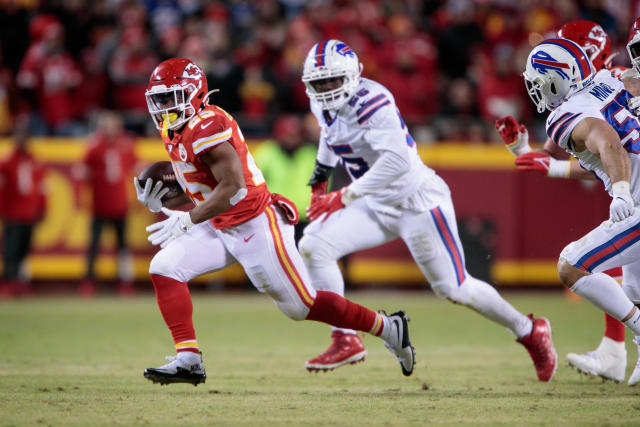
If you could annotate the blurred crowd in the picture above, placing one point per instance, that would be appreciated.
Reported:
(453, 65)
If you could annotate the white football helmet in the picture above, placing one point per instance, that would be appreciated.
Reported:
(328, 59)
(556, 68)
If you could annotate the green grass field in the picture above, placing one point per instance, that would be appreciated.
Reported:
(70, 361)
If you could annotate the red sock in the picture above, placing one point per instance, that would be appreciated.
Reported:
(614, 329)
(176, 307)
(338, 311)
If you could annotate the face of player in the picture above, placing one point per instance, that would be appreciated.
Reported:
(164, 101)
(326, 85)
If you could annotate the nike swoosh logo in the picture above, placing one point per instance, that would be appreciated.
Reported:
(246, 239)
(202, 126)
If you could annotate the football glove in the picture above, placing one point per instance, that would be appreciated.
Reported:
(514, 135)
(151, 195)
(544, 164)
(164, 232)
(622, 205)
(317, 190)
(327, 204)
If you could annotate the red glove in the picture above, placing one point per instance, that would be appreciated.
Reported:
(317, 190)
(543, 164)
(326, 204)
(514, 135)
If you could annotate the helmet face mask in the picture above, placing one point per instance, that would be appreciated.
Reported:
(175, 93)
(331, 61)
(556, 69)
(633, 45)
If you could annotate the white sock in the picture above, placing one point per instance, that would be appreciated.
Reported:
(634, 322)
(606, 294)
(611, 346)
(484, 298)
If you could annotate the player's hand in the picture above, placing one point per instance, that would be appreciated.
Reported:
(317, 190)
(544, 164)
(514, 135)
(164, 232)
(326, 204)
(634, 105)
(622, 205)
(151, 195)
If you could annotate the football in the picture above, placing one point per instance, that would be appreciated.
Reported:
(162, 171)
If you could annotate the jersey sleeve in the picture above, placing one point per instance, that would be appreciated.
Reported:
(325, 155)
(210, 132)
(564, 119)
(387, 132)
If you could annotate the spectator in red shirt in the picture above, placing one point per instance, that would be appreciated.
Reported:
(22, 204)
(49, 75)
(106, 168)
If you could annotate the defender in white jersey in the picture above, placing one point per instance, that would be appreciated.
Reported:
(393, 194)
(591, 120)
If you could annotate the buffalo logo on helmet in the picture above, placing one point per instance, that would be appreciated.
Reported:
(344, 49)
(542, 62)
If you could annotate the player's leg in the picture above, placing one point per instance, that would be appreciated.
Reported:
(323, 244)
(609, 245)
(432, 238)
(197, 252)
(609, 359)
(88, 285)
(266, 249)
(631, 287)
(125, 263)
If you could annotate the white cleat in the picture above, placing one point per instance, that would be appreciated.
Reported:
(608, 361)
(399, 343)
(635, 375)
(185, 367)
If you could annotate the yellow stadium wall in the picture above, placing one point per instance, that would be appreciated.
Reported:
(529, 212)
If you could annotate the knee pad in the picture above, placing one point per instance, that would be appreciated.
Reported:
(293, 309)
(315, 250)
(166, 263)
(443, 289)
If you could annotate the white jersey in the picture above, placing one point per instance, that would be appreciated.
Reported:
(605, 99)
(365, 128)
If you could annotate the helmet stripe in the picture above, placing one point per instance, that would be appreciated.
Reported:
(320, 48)
(576, 52)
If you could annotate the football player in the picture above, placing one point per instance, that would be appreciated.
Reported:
(609, 360)
(590, 119)
(235, 220)
(393, 194)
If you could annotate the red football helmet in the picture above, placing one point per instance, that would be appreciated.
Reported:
(176, 92)
(592, 38)
(633, 45)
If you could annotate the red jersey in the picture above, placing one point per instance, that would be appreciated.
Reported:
(22, 185)
(110, 165)
(209, 128)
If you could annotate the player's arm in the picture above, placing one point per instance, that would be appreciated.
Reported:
(546, 162)
(226, 167)
(600, 138)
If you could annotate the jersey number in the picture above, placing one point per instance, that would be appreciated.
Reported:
(624, 122)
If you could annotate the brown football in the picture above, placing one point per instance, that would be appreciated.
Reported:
(162, 171)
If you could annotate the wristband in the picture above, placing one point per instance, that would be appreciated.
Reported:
(620, 188)
(559, 168)
(348, 195)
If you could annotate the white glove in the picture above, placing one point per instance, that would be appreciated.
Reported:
(634, 105)
(622, 205)
(177, 223)
(151, 195)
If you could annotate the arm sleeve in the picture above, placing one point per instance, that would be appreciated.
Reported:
(384, 171)
(388, 135)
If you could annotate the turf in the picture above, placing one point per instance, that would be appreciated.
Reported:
(72, 361)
